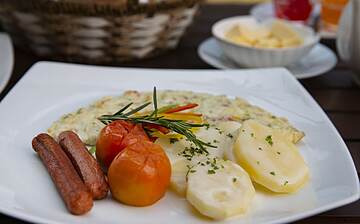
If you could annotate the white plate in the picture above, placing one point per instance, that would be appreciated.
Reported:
(6, 60)
(266, 10)
(320, 60)
(27, 192)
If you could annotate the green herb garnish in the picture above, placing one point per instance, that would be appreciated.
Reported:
(92, 150)
(272, 173)
(179, 126)
(190, 170)
(269, 140)
(173, 140)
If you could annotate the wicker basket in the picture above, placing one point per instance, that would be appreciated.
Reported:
(97, 31)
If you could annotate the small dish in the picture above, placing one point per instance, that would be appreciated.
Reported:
(262, 57)
(320, 60)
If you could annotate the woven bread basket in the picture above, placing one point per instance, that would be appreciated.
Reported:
(97, 31)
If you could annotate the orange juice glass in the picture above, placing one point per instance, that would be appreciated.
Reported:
(331, 12)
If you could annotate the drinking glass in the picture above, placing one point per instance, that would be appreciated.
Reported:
(330, 13)
(295, 10)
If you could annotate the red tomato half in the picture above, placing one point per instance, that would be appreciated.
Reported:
(116, 136)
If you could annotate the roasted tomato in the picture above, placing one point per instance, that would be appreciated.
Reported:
(139, 174)
(116, 136)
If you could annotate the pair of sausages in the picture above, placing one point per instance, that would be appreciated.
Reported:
(76, 174)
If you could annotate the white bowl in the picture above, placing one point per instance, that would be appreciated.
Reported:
(247, 56)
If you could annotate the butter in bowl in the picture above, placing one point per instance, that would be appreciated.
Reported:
(271, 43)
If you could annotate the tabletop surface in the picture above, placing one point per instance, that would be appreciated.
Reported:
(336, 92)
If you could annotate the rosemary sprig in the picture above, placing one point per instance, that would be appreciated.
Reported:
(179, 126)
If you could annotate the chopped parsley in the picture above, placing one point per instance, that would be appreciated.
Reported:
(92, 150)
(219, 130)
(190, 152)
(278, 153)
(272, 173)
(230, 135)
(286, 182)
(269, 140)
(214, 165)
(215, 141)
(260, 148)
(234, 179)
(252, 134)
(190, 170)
(173, 140)
(258, 162)
(201, 163)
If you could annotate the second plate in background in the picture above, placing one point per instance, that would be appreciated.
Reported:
(320, 60)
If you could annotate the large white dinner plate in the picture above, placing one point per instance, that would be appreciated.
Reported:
(49, 90)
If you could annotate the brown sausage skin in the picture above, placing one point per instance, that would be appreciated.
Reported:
(84, 163)
(73, 191)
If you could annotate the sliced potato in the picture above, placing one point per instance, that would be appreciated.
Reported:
(283, 31)
(270, 158)
(178, 181)
(254, 34)
(220, 195)
(180, 165)
(228, 126)
(230, 129)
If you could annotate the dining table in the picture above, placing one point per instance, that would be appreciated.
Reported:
(335, 91)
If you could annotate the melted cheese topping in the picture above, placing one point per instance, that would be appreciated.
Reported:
(214, 108)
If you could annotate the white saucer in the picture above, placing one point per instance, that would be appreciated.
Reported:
(320, 60)
(6, 60)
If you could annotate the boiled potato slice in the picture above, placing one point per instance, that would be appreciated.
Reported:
(179, 164)
(270, 158)
(230, 129)
(268, 43)
(228, 126)
(254, 34)
(290, 42)
(222, 194)
(235, 36)
(283, 31)
(178, 176)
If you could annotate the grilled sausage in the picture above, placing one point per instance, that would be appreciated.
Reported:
(73, 191)
(84, 163)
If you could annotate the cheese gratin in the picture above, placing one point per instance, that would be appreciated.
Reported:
(213, 107)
